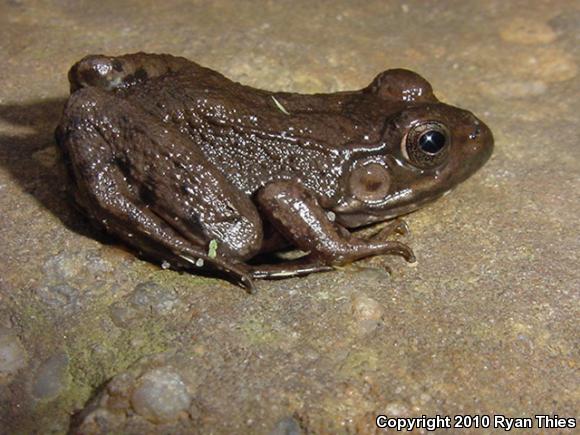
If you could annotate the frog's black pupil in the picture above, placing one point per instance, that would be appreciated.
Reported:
(432, 141)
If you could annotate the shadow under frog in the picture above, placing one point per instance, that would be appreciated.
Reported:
(202, 173)
(32, 126)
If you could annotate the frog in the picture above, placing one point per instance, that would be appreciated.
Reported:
(203, 174)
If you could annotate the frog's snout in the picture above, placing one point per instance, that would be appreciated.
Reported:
(478, 145)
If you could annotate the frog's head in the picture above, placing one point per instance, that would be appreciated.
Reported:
(426, 149)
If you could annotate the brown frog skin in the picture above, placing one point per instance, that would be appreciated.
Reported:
(203, 173)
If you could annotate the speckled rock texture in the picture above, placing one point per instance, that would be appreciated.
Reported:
(94, 340)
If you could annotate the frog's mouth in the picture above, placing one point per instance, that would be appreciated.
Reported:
(368, 217)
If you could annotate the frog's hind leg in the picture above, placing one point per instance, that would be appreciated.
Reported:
(298, 216)
(90, 132)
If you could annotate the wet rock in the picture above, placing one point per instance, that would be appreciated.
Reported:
(12, 355)
(160, 396)
(525, 31)
(51, 377)
(499, 247)
(367, 313)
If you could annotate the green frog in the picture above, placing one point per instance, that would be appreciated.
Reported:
(199, 172)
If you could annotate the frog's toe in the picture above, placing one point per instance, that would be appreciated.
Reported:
(300, 267)
(249, 284)
(398, 226)
(401, 249)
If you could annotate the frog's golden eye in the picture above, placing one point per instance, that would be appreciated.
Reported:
(427, 144)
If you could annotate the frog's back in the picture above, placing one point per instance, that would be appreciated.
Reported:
(254, 136)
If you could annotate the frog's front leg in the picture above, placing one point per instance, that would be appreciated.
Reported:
(299, 217)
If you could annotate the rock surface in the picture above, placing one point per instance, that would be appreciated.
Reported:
(487, 323)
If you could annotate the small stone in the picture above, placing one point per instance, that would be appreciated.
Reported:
(287, 426)
(51, 377)
(160, 396)
(367, 313)
(151, 296)
(397, 409)
(119, 391)
(59, 296)
(123, 316)
(62, 266)
(12, 355)
(96, 264)
(526, 31)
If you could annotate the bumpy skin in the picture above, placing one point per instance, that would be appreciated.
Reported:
(191, 168)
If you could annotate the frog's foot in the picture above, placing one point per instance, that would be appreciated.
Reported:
(287, 269)
(298, 216)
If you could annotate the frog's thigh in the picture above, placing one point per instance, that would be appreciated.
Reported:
(184, 188)
(298, 216)
(115, 207)
(203, 205)
(90, 135)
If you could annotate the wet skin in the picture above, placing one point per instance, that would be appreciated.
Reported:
(192, 169)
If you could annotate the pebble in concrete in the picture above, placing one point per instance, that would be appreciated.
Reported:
(12, 355)
(160, 396)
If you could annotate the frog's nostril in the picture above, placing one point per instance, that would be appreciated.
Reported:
(475, 133)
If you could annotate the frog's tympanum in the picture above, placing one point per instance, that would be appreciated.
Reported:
(199, 172)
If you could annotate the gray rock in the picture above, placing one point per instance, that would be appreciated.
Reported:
(154, 297)
(123, 316)
(148, 298)
(160, 395)
(12, 355)
(367, 313)
(59, 296)
(51, 377)
(287, 426)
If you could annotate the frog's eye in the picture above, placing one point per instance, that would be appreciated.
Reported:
(427, 144)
